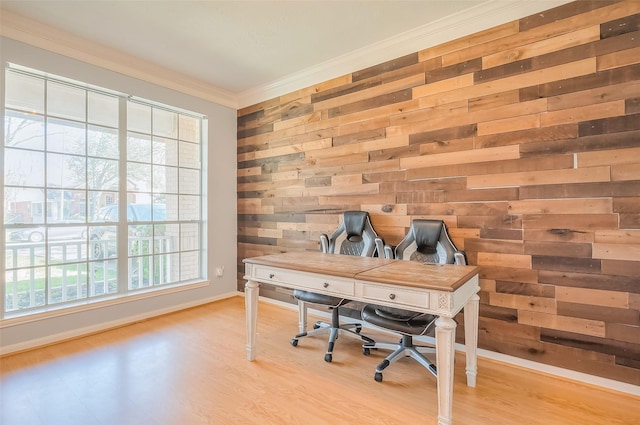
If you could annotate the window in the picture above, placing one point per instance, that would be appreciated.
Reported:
(102, 194)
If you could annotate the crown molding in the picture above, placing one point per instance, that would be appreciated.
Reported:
(479, 18)
(37, 34)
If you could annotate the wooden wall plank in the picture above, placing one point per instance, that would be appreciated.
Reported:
(608, 314)
(562, 249)
(594, 96)
(570, 221)
(593, 297)
(625, 172)
(617, 60)
(511, 97)
(617, 236)
(560, 134)
(609, 282)
(624, 332)
(562, 206)
(569, 324)
(464, 157)
(509, 124)
(509, 110)
(579, 175)
(583, 113)
(514, 260)
(542, 76)
(559, 235)
(560, 13)
(610, 251)
(458, 50)
(370, 92)
(538, 48)
(523, 303)
(386, 67)
(618, 156)
(622, 268)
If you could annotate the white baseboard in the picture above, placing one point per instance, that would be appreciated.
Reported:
(558, 372)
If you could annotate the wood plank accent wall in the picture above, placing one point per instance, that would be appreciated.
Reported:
(524, 139)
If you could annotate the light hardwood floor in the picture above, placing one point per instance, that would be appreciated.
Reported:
(190, 368)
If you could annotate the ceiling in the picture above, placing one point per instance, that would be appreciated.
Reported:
(242, 46)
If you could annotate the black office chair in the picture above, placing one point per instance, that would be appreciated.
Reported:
(428, 242)
(354, 236)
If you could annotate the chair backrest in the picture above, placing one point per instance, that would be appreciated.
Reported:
(428, 242)
(354, 236)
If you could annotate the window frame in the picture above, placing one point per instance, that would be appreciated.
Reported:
(123, 293)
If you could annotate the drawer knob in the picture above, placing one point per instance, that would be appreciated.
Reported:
(392, 296)
(325, 285)
(271, 275)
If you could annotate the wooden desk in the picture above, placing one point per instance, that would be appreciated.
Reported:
(443, 290)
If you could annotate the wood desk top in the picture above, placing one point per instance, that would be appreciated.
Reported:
(447, 277)
(318, 262)
(441, 277)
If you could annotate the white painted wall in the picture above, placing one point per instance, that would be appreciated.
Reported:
(221, 222)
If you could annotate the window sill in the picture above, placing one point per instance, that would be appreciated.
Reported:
(17, 318)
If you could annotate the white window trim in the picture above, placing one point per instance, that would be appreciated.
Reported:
(85, 304)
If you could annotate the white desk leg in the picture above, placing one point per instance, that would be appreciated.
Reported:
(471, 338)
(251, 290)
(302, 316)
(445, 352)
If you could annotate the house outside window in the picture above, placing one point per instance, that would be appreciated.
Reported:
(102, 194)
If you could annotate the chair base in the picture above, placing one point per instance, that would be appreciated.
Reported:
(334, 329)
(404, 348)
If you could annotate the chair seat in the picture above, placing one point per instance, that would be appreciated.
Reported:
(401, 321)
(312, 297)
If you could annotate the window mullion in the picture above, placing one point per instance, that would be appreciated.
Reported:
(3, 256)
(45, 206)
(122, 230)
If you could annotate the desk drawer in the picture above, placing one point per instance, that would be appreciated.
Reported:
(300, 280)
(397, 296)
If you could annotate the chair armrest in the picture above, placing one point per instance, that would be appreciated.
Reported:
(388, 251)
(324, 243)
(379, 247)
(459, 258)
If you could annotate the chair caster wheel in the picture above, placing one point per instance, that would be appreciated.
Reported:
(328, 358)
(378, 377)
(294, 342)
(358, 329)
(366, 351)
(316, 326)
